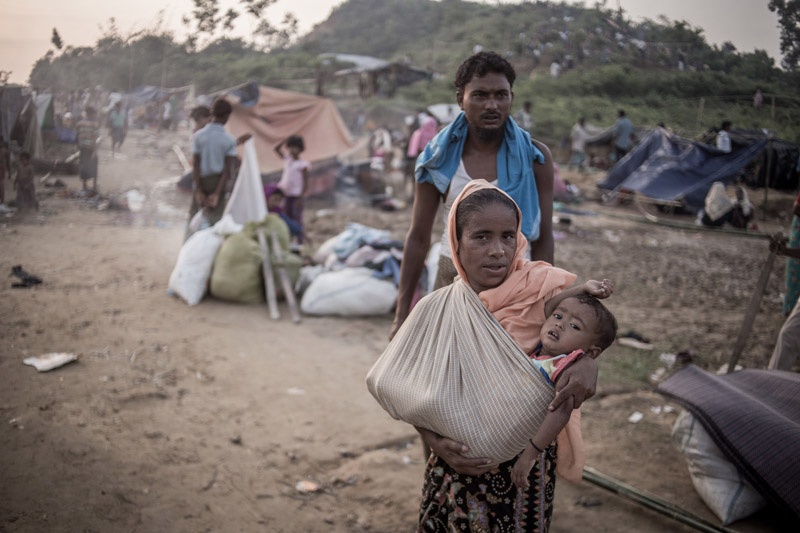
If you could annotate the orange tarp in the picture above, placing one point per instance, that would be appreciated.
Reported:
(279, 114)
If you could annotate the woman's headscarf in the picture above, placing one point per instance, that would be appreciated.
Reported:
(518, 302)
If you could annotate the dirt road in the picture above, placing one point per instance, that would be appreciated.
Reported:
(215, 418)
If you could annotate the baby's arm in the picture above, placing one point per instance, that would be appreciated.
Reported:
(598, 289)
(552, 425)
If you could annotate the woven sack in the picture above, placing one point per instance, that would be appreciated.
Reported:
(454, 370)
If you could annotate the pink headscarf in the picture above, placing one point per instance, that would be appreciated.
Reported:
(518, 302)
(421, 136)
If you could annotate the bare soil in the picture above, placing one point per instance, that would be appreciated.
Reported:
(205, 418)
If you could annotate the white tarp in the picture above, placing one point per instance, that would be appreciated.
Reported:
(247, 202)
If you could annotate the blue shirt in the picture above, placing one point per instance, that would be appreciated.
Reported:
(213, 144)
(438, 162)
(623, 129)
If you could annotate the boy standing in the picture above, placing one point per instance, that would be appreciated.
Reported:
(214, 154)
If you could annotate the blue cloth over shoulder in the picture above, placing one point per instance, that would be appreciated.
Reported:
(438, 162)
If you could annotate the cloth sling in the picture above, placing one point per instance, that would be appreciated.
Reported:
(454, 370)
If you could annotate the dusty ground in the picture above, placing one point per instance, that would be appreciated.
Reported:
(205, 418)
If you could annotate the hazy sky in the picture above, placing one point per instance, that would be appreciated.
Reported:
(26, 25)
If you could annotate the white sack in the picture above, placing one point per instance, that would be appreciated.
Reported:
(349, 292)
(714, 477)
(189, 278)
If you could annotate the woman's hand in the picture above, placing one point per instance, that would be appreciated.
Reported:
(578, 381)
(452, 453)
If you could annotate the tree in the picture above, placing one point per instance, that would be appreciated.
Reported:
(789, 20)
(56, 39)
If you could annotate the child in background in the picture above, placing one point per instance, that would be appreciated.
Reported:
(579, 325)
(24, 184)
(275, 199)
(294, 181)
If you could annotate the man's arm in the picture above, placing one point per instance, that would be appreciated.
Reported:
(542, 249)
(418, 240)
(227, 170)
(199, 195)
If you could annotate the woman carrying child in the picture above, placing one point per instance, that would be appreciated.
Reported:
(461, 491)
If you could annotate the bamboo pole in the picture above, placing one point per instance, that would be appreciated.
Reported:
(752, 310)
(651, 501)
(288, 290)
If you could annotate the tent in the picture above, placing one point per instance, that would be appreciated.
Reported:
(668, 168)
(271, 115)
(12, 100)
(373, 76)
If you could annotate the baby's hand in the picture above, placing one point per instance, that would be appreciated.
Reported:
(600, 289)
(522, 470)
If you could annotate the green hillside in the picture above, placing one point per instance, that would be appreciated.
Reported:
(609, 62)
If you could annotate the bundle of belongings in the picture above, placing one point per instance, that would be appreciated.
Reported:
(741, 437)
(356, 274)
(226, 260)
(453, 353)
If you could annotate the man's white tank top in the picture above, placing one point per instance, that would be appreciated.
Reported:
(457, 184)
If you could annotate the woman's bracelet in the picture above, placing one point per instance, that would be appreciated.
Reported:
(535, 447)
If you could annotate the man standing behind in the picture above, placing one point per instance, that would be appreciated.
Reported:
(214, 155)
(87, 133)
(623, 135)
(117, 120)
(524, 118)
(481, 143)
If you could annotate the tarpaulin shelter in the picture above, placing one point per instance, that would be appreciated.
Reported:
(668, 168)
(271, 115)
(778, 165)
(373, 76)
(13, 99)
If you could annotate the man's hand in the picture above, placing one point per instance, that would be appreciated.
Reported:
(452, 453)
(200, 198)
(212, 200)
(578, 381)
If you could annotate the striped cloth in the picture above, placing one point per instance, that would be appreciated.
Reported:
(454, 370)
(754, 418)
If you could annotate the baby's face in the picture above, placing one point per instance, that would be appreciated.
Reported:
(570, 327)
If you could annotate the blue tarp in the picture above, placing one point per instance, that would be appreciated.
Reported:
(673, 169)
